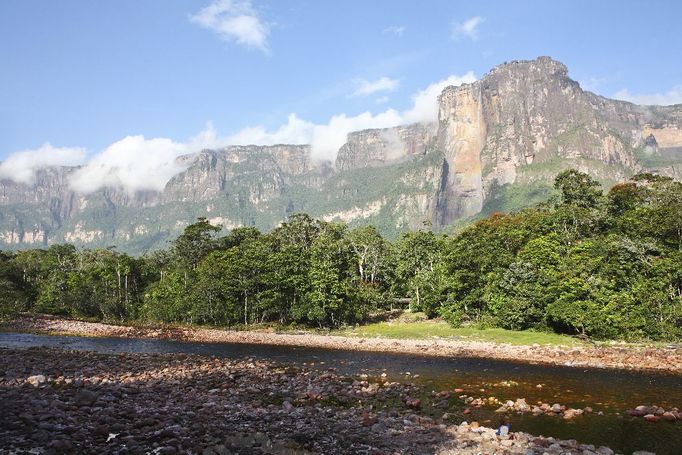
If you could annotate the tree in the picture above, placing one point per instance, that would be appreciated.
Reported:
(56, 264)
(237, 236)
(16, 295)
(371, 253)
(195, 243)
(519, 296)
(417, 253)
(578, 188)
(329, 299)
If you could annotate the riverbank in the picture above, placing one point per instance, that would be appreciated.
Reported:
(616, 356)
(57, 401)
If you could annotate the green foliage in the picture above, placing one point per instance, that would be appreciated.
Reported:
(578, 188)
(195, 243)
(606, 266)
(593, 264)
(417, 255)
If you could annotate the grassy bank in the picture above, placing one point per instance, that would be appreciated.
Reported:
(423, 330)
(408, 326)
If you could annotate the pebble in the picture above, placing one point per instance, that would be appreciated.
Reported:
(166, 404)
(36, 380)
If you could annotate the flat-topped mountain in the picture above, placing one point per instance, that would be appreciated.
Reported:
(497, 145)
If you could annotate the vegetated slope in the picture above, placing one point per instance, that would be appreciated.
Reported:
(496, 146)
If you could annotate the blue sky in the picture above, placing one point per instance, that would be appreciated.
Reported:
(86, 75)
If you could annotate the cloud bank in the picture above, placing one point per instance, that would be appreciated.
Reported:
(672, 96)
(326, 139)
(234, 21)
(136, 163)
(133, 163)
(21, 166)
(467, 29)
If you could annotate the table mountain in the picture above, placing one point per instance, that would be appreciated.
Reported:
(497, 145)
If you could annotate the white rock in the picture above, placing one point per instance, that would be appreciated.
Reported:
(36, 380)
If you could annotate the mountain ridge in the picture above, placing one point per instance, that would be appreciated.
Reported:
(514, 128)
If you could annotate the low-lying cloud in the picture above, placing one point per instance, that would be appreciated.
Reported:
(21, 166)
(326, 139)
(133, 163)
(136, 163)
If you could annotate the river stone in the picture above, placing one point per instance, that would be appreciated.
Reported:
(288, 407)
(651, 418)
(521, 405)
(85, 398)
(36, 380)
(669, 416)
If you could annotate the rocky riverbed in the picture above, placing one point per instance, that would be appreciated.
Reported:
(57, 401)
(625, 357)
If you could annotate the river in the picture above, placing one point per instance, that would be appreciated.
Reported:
(611, 392)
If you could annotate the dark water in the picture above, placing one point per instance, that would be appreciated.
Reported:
(611, 392)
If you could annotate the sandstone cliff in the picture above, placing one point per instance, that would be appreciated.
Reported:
(510, 132)
(378, 147)
(527, 120)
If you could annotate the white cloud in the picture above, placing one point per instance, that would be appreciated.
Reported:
(396, 30)
(672, 96)
(383, 99)
(467, 29)
(383, 84)
(326, 139)
(135, 163)
(21, 166)
(425, 105)
(132, 163)
(295, 131)
(234, 20)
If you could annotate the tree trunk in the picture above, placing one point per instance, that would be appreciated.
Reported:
(418, 300)
(246, 308)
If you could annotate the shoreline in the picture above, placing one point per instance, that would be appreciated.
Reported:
(90, 403)
(624, 357)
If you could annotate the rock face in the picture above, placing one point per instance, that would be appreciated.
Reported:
(378, 147)
(260, 173)
(531, 113)
(233, 182)
(497, 145)
(461, 135)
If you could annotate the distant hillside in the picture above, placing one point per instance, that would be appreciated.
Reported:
(497, 145)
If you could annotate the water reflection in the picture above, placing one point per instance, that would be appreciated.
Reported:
(608, 391)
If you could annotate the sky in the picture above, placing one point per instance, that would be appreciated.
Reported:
(125, 86)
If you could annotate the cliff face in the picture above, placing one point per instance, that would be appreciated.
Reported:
(515, 128)
(258, 172)
(228, 181)
(378, 147)
(529, 116)
(461, 135)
